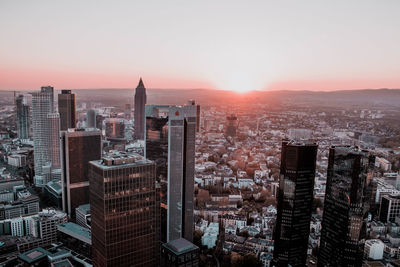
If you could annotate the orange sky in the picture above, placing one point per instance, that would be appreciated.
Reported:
(226, 44)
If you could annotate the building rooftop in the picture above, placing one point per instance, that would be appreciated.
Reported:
(33, 255)
(115, 159)
(85, 208)
(76, 231)
(180, 246)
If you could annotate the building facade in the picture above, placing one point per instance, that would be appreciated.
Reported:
(389, 208)
(42, 105)
(79, 146)
(67, 109)
(22, 117)
(345, 206)
(124, 201)
(170, 142)
(295, 198)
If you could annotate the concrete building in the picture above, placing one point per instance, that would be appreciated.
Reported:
(373, 249)
(91, 118)
(83, 216)
(179, 252)
(389, 208)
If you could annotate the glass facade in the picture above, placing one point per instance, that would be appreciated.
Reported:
(124, 205)
(295, 198)
(345, 207)
(67, 109)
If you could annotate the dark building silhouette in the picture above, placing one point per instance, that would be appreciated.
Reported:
(67, 109)
(22, 117)
(389, 208)
(91, 118)
(175, 165)
(295, 198)
(78, 147)
(231, 125)
(179, 252)
(345, 206)
(140, 102)
(124, 204)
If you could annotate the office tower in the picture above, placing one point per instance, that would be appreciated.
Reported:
(170, 142)
(231, 125)
(179, 252)
(67, 109)
(127, 111)
(99, 121)
(91, 118)
(42, 104)
(140, 102)
(79, 146)
(389, 208)
(124, 201)
(343, 226)
(295, 198)
(193, 103)
(22, 117)
(53, 124)
(115, 128)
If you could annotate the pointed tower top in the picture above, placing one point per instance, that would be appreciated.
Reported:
(140, 85)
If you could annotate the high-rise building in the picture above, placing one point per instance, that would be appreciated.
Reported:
(198, 113)
(345, 206)
(91, 118)
(67, 109)
(389, 208)
(79, 146)
(140, 102)
(170, 142)
(124, 204)
(53, 123)
(231, 125)
(22, 117)
(115, 128)
(42, 105)
(295, 198)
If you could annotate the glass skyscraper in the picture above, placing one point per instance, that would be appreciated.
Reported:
(295, 198)
(124, 203)
(345, 206)
(22, 117)
(170, 142)
(67, 109)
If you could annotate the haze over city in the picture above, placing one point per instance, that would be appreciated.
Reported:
(227, 45)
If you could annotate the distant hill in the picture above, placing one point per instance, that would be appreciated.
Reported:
(389, 98)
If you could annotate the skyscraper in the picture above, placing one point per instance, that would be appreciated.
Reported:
(343, 226)
(67, 109)
(140, 102)
(91, 118)
(295, 198)
(124, 204)
(170, 142)
(42, 104)
(22, 117)
(79, 146)
(231, 125)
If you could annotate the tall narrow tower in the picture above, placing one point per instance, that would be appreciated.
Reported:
(345, 206)
(295, 198)
(22, 117)
(67, 109)
(140, 102)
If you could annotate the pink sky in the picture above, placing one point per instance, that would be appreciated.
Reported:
(227, 44)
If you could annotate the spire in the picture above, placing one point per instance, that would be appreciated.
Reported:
(140, 85)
